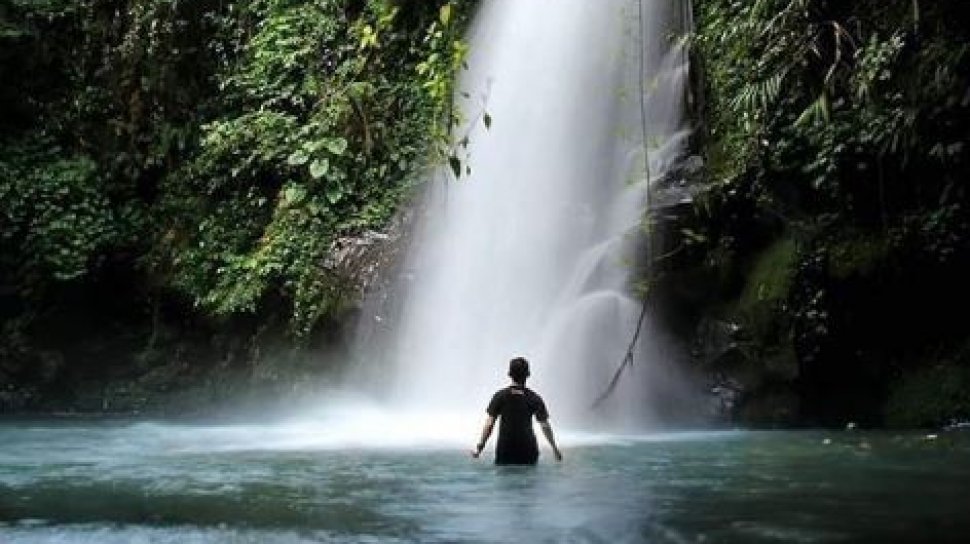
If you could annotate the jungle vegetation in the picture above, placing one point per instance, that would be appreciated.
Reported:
(175, 176)
(191, 163)
(832, 231)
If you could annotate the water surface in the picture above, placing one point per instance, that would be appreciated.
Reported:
(116, 482)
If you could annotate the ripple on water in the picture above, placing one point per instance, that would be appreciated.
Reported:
(41, 533)
(725, 487)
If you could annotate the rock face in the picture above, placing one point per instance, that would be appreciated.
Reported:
(722, 309)
(15, 400)
(371, 263)
(678, 186)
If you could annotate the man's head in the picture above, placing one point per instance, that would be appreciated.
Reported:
(519, 370)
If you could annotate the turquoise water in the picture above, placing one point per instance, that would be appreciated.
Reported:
(111, 482)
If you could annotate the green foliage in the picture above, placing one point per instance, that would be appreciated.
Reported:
(857, 257)
(843, 126)
(218, 148)
(322, 145)
(55, 221)
(834, 103)
(768, 287)
(437, 70)
(839, 117)
(930, 397)
(771, 275)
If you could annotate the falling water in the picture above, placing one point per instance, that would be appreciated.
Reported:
(532, 253)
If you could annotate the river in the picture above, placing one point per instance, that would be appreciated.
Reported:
(128, 482)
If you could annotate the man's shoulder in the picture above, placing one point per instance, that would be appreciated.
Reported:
(532, 393)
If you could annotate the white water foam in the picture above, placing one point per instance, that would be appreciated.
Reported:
(531, 254)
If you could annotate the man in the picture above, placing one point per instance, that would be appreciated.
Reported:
(515, 405)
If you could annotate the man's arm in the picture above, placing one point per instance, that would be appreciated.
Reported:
(486, 432)
(547, 431)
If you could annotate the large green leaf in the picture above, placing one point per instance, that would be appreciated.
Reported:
(298, 158)
(293, 194)
(319, 168)
(334, 193)
(337, 146)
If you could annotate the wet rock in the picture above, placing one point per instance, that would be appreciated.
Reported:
(692, 165)
(49, 366)
(14, 400)
(772, 408)
(162, 377)
(679, 185)
(365, 260)
(714, 340)
(727, 396)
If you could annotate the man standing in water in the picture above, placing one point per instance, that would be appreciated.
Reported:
(515, 405)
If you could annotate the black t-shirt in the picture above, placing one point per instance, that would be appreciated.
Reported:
(514, 406)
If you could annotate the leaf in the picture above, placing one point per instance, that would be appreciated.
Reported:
(337, 146)
(455, 164)
(334, 193)
(444, 14)
(293, 194)
(319, 168)
(817, 113)
(488, 120)
(298, 158)
(361, 89)
(693, 237)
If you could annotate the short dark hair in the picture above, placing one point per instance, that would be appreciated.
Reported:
(519, 369)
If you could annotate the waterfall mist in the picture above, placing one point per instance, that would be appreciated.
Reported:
(533, 252)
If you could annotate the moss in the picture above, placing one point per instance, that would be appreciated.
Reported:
(930, 397)
(770, 409)
(781, 363)
(723, 162)
(771, 275)
(768, 286)
(857, 256)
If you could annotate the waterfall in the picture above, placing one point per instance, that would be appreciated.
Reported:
(532, 253)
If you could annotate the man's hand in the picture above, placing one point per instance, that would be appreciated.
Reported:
(477, 450)
(486, 432)
(547, 431)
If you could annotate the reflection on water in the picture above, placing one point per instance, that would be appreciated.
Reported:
(117, 482)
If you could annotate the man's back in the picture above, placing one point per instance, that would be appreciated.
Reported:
(514, 406)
